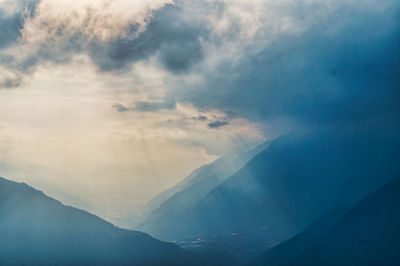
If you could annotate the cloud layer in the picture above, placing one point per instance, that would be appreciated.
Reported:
(340, 68)
(114, 35)
(331, 63)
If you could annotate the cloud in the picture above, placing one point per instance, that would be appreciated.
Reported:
(317, 63)
(12, 20)
(146, 106)
(169, 35)
(338, 69)
(217, 124)
(143, 106)
(9, 79)
(200, 118)
(10, 25)
(9, 83)
(120, 108)
(113, 37)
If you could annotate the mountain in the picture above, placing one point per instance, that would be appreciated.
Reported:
(155, 203)
(296, 179)
(368, 234)
(194, 187)
(38, 230)
(288, 250)
(45, 179)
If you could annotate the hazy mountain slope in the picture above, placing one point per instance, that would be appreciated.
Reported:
(158, 200)
(291, 183)
(197, 185)
(45, 179)
(36, 229)
(367, 235)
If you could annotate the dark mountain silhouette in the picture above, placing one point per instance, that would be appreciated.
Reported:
(168, 205)
(368, 234)
(38, 230)
(288, 185)
(290, 249)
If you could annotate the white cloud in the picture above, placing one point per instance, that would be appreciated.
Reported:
(101, 20)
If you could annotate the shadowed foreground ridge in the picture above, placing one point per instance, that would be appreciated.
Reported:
(38, 230)
(368, 234)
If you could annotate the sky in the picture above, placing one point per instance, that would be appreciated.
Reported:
(114, 101)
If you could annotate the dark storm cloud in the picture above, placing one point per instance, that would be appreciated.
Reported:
(217, 124)
(121, 108)
(8, 83)
(146, 106)
(200, 118)
(169, 35)
(345, 69)
(143, 106)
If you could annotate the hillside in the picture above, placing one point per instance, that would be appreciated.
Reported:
(169, 204)
(288, 185)
(366, 235)
(38, 230)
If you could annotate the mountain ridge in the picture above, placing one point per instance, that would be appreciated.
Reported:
(292, 182)
(200, 182)
(365, 234)
(38, 230)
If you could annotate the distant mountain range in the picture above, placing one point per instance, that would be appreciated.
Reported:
(38, 230)
(279, 192)
(171, 202)
(294, 180)
(368, 234)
